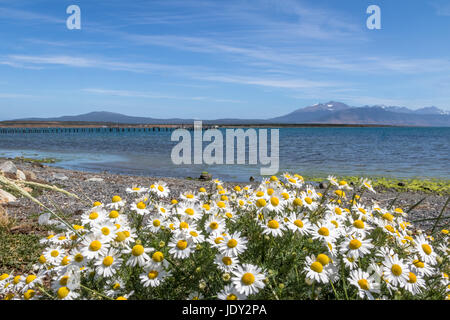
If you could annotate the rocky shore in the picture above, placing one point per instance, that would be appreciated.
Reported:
(101, 186)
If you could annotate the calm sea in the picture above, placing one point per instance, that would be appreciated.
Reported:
(395, 152)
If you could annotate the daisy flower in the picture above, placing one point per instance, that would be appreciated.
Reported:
(425, 250)
(138, 256)
(395, 271)
(92, 217)
(365, 183)
(161, 189)
(274, 227)
(365, 283)
(324, 231)
(421, 268)
(94, 246)
(226, 263)
(181, 247)
(356, 248)
(158, 260)
(189, 210)
(54, 255)
(196, 236)
(107, 266)
(415, 283)
(116, 203)
(298, 223)
(233, 245)
(154, 224)
(64, 293)
(136, 190)
(215, 224)
(153, 277)
(140, 208)
(230, 293)
(248, 279)
(315, 270)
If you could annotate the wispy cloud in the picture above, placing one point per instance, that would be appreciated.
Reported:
(23, 15)
(150, 95)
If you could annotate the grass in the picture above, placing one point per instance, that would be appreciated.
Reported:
(436, 186)
(18, 250)
(42, 160)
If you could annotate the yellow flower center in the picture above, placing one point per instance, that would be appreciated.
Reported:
(323, 259)
(298, 223)
(42, 260)
(221, 204)
(418, 263)
(359, 224)
(153, 274)
(426, 248)
(298, 202)
(78, 257)
(65, 261)
(30, 278)
(218, 240)
(232, 243)
(63, 292)
(182, 244)
(387, 216)
(161, 188)
(324, 232)
(248, 278)
(190, 196)
(95, 245)
(261, 203)
(141, 205)
(193, 233)
(273, 224)
(97, 204)
(184, 225)
(227, 261)
(316, 267)
(105, 231)
(232, 296)
(116, 199)
(274, 201)
(363, 284)
(158, 256)
(156, 223)
(338, 211)
(120, 236)
(189, 211)
(396, 270)
(412, 278)
(108, 261)
(29, 294)
(54, 253)
(214, 225)
(354, 244)
(93, 216)
(308, 200)
(63, 281)
(137, 250)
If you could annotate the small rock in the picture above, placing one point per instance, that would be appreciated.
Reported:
(60, 176)
(401, 184)
(8, 167)
(95, 179)
(20, 175)
(252, 179)
(6, 197)
(323, 185)
(30, 175)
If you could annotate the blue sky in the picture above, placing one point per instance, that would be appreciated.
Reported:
(218, 59)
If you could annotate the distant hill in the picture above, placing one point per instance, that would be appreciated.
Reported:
(322, 113)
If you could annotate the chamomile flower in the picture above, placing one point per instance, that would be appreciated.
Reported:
(94, 246)
(93, 217)
(137, 190)
(161, 189)
(425, 250)
(196, 236)
(395, 271)
(365, 183)
(181, 247)
(116, 203)
(54, 255)
(298, 223)
(233, 245)
(274, 227)
(108, 265)
(153, 277)
(138, 255)
(415, 283)
(215, 224)
(190, 210)
(140, 208)
(355, 247)
(226, 263)
(365, 283)
(229, 292)
(248, 279)
(315, 270)
(421, 268)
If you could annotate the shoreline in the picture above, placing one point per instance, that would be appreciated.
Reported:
(101, 185)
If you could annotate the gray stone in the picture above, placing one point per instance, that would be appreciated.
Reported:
(8, 167)
(31, 176)
(60, 176)
(323, 185)
(95, 179)
(205, 176)
(20, 175)
(6, 197)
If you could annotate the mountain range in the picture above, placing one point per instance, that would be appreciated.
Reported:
(322, 113)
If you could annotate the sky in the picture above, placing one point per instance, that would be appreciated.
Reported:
(220, 58)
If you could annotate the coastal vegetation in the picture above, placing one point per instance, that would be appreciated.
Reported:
(281, 239)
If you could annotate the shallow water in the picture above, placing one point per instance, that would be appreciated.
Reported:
(396, 152)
